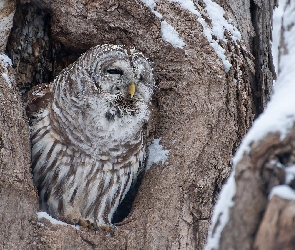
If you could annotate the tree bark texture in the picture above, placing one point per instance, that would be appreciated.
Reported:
(256, 220)
(200, 112)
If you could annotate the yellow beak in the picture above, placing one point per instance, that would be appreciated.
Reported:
(131, 89)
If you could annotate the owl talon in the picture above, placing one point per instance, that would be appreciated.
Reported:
(94, 228)
(76, 222)
(91, 226)
(86, 224)
(109, 229)
(112, 228)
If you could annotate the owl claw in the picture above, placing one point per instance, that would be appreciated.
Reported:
(91, 226)
(109, 228)
(76, 222)
(86, 224)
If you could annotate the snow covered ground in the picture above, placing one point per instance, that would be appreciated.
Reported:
(279, 116)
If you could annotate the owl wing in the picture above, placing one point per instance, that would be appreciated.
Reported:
(38, 99)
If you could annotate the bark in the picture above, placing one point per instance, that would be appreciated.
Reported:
(200, 112)
(257, 221)
(256, 174)
(276, 230)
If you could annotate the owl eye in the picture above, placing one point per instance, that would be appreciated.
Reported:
(115, 71)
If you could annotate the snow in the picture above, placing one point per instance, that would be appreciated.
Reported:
(279, 116)
(53, 221)
(152, 5)
(5, 60)
(187, 5)
(290, 174)
(221, 212)
(170, 35)
(7, 79)
(276, 33)
(156, 154)
(283, 191)
(219, 25)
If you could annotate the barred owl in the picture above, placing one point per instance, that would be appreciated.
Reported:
(86, 133)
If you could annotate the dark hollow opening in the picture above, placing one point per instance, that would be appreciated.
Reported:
(125, 206)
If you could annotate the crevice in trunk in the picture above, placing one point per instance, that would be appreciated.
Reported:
(36, 56)
(261, 50)
(125, 206)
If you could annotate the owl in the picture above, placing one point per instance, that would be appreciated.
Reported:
(87, 136)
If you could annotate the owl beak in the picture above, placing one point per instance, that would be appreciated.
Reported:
(131, 90)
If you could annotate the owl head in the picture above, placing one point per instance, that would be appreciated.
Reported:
(105, 93)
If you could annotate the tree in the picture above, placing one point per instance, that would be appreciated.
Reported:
(210, 88)
(259, 197)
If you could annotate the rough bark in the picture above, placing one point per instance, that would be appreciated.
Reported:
(261, 15)
(255, 220)
(276, 230)
(199, 113)
(18, 198)
(256, 174)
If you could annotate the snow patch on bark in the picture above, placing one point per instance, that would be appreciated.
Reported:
(283, 191)
(152, 4)
(53, 221)
(6, 62)
(221, 212)
(168, 32)
(170, 35)
(156, 154)
(279, 115)
(7, 79)
(217, 28)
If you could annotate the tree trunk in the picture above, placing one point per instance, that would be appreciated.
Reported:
(208, 94)
(259, 207)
